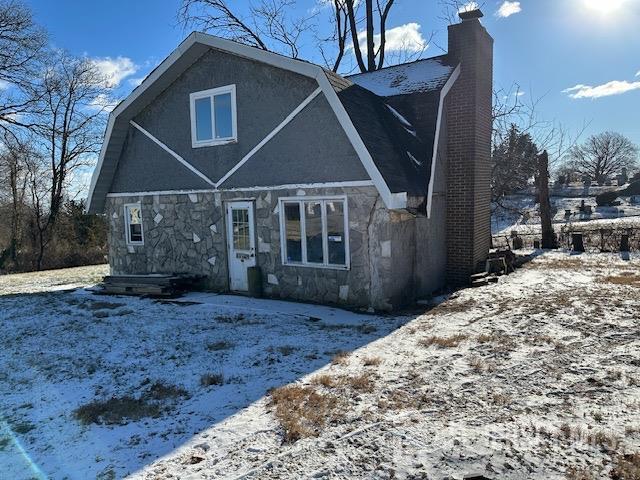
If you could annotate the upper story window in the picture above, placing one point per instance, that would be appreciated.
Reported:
(314, 232)
(133, 224)
(213, 116)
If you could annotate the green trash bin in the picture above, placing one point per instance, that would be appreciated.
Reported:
(255, 281)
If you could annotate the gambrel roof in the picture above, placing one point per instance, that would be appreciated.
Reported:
(397, 159)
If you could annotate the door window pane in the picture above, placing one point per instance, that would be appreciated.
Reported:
(335, 232)
(204, 128)
(223, 116)
(241, 238)
(293, 244)
(313, 231)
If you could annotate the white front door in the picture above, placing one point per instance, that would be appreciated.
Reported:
(242, 243)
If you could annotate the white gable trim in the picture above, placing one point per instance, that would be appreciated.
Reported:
(290, 186)
(266, 139)
(443, 94)
(173, 154)
(391, 200)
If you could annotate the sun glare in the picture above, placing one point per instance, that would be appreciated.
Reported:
(604, 6)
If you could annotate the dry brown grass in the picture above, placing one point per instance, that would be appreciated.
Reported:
(556, 264)
(209, 379)
(398, 399)
(501, 399)
(302, 411)
(327, 381)
(372, 361)
(453, 306)
(443, 342)
(478, 364)
(348, 384)
(340, 358)
(626, 467)
(580, 473)
(628, 279)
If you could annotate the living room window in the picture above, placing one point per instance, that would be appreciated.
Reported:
(213, 117)
(133, 223)
(314, 232)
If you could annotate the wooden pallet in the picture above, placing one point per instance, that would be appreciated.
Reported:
(148, 285)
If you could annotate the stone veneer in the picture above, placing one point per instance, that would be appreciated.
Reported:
(185, 233)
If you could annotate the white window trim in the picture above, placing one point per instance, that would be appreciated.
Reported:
(211, 93)
(325, 244)
(127, 229)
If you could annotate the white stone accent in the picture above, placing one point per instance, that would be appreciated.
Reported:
(385, 248)
(130, 249)
(299, 280)
(212, 261)
(272, 279)
(158, 218)
(196, 238)
(213, 228)
(217, 199)
(115, 215)
(193, 197)
(301, 193)
(276, 209)
(344, 292)
(263, 247)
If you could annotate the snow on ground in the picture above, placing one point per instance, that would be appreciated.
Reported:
(49, 280)
(528, 378)
(519, 212)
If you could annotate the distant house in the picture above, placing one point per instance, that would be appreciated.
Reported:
(369, 191)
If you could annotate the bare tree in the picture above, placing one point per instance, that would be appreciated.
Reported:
(604, 155)
(274, 25)
(69, 128)
(14, 178)
(22, 43)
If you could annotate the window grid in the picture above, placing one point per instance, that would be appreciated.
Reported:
(302, 205)
(227, 96)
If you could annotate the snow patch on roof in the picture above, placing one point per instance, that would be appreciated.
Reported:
(406, 124)
(414, 159)
(420, 76)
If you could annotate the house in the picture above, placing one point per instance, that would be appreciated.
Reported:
(368, 191)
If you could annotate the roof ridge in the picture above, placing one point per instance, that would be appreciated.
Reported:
(443, 56)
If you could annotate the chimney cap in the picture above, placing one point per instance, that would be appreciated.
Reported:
(470, 15)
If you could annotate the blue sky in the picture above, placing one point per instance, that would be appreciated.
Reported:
(546, 46)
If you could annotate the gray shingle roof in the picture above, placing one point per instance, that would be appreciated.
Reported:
(402, 154)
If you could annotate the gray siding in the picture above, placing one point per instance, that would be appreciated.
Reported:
(265, 97)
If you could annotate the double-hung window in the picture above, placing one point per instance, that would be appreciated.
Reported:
(213, 117)
(133, 224)
(315, 232)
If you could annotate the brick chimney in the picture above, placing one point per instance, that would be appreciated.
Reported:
(469, 123)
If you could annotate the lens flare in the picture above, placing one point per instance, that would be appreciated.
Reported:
(604, 6)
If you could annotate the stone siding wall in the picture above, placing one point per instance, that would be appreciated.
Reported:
(187, 234)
